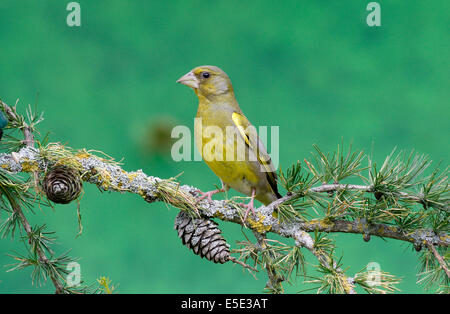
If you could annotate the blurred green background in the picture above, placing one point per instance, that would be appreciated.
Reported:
(312, 67)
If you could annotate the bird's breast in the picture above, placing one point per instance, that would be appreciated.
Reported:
(222, 155)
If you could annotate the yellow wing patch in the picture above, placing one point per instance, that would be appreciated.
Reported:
(242, 125)
(252, 140)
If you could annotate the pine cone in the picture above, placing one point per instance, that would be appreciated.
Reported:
(62, 184)
(203, 237)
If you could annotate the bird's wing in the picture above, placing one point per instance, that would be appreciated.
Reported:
(248, 132)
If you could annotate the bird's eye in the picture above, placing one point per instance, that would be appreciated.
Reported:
(205, 74)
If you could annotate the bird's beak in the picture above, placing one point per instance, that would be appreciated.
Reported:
(189, 79)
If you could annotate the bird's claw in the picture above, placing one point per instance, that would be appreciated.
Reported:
(249, 207)
(209, 194)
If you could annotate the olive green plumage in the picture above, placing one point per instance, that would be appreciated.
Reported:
(255, 175)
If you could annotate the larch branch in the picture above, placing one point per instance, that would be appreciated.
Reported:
(29, 142)
(439, 258)
(109, 176)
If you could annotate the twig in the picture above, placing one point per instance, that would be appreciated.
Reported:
(303, 239)
(439, 258)
(42, 257)
(29, 142)
(326, 188)
(236, 261)
(28, 135)
(27, 131)
(275, 281)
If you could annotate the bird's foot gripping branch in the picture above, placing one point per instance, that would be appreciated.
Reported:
(397, 200)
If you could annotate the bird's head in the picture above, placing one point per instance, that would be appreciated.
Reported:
(207, 81)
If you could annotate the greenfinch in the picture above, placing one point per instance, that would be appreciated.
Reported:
(251, 172)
